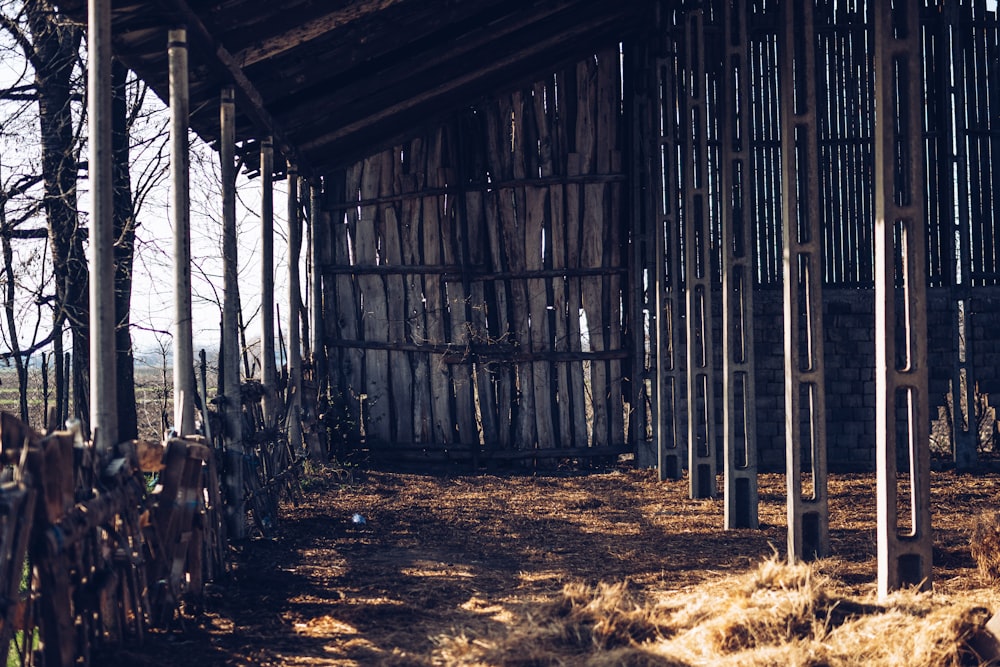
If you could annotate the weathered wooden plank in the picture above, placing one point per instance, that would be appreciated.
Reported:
(416, 322)
(608, 161)
(434, 301)
(378, 423)
(580, 404)
(457, 310)
(536, 212)
(596, 306)
(347, 313)
(400, 372)
(475, 217)
(500, 332)
(560, 333)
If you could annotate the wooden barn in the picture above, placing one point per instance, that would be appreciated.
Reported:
(716, 237)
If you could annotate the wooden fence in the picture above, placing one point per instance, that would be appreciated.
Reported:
(477, 279)
(94, 549)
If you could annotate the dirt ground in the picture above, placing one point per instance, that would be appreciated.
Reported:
(467, 555)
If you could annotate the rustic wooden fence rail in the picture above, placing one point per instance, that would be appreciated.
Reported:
(94, 550)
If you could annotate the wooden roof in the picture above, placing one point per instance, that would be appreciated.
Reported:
(332, 80)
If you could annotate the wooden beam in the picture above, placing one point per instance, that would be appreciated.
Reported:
(388, 115)
(308, 31)
(219, 59)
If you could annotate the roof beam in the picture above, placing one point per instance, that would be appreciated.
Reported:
(308, 31)
(230, 71)
(453, 86)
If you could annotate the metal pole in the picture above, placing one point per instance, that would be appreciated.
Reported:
(319, 221)
(697, 256)
(184, 386)
(802, 270)
(230, 317)
(103, 390)
(294, 309)
(901, 402)
(268, 372)
(739, 410)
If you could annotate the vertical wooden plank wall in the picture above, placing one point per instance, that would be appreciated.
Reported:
(479, 277)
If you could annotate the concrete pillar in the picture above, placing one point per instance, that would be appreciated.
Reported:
(294, 401)
(184, 385)
(230, 318)
(670, 367)
(701, 374)
(901, 412)
(739, 409)
(103, 378)
(802, 281)
(268, 370)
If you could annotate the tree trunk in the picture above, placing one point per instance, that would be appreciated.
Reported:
(57, 45)
(128, 428)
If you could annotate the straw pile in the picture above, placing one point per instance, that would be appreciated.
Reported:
(985, 546)
(774, 615)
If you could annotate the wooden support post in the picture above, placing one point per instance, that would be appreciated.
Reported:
(294, 400)
(901, 414)
(269, 375)
(738, 276)
(318, 223)
(805, 412)
(184, 387)
(230, 319)
(698, 263)
(103, 388)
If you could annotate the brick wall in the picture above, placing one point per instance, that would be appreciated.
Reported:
(849, 355)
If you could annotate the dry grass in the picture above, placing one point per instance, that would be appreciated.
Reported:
(985, 545)
(775, 614)
(610, 568)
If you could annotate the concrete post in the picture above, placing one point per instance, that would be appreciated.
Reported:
(670, 364)
(294, 309)
(901, 412)
(184, 385)
(317, 222)
(269, 375)
(802, 275)
(698, 275)
(230, 318)
(103, 378)
(739, 410)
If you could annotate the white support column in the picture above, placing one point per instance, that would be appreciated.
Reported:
(103, 378)
(901, 402)
(739, 409)
(316, 221)
(802, 283)
(701, 372)
(267, 365)
(184, 386)
(294, 310)
(230, 318)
